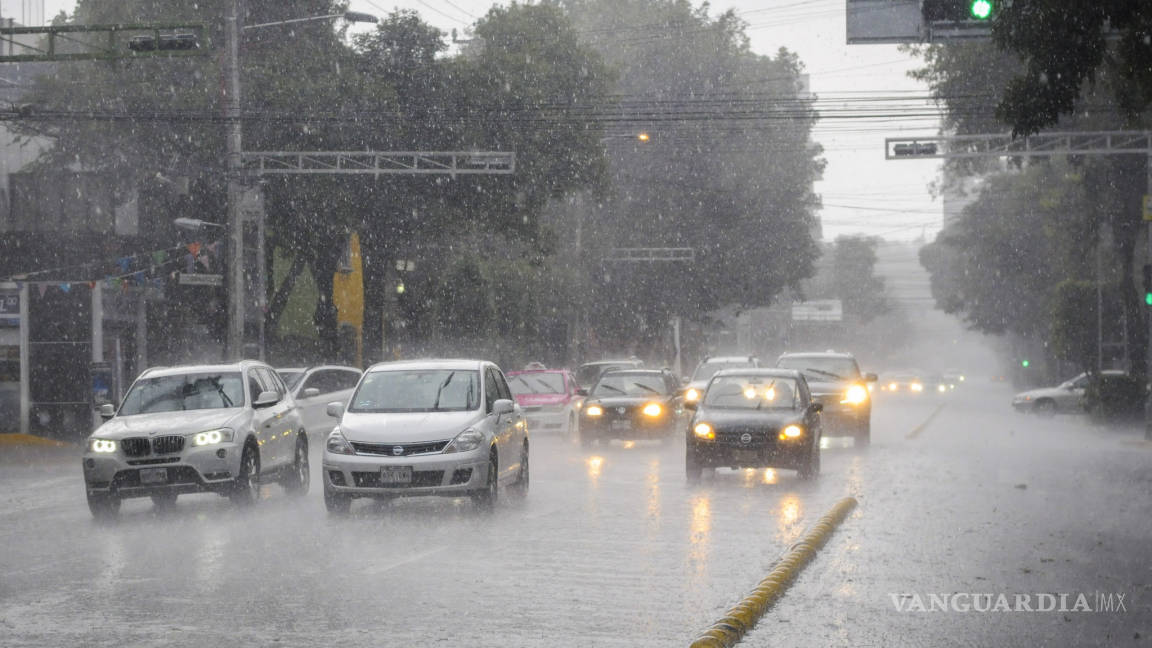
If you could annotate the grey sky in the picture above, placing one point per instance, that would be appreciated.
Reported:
(862, 193)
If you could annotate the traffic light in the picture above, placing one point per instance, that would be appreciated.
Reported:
(1025, 364)
(959, 10)
(1148, 284)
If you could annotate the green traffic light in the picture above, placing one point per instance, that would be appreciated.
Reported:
(981, 9)
(1024, 363)
(1148, 298)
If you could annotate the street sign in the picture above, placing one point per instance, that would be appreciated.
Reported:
(1147, 207)
(9, 309)
(818, 310)
(201, 279)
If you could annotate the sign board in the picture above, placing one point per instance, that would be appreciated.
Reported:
(9, 309)
(1147, 207)
(201, 279)
(819, 310)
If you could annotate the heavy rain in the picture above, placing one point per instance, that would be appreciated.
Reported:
(575, 323)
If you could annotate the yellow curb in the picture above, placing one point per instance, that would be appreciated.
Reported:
(742, 617)
(27, 441)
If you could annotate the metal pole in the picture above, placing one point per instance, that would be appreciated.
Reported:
(1099, 312)
(98, 322)
(234, 347)
(25, 366)
(1148, 344)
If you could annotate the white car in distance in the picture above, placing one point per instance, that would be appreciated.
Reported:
(426, 427)
(314, 388)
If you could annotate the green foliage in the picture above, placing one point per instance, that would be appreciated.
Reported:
(854, 278)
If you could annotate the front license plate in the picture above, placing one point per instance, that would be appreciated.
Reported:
(621, 425)
(149, 476)
(747, 456)
(396, 475)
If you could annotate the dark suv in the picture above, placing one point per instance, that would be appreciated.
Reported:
(837, 384)
(633, 404)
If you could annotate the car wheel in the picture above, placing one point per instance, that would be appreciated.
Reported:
(520, 488)
(164, 500)
(810, 469)
(104, 507)
(299, 478)
(1045, 408)
(692, 467)
(863, 436)
(486, 498)
(246, 486)
(336, 503)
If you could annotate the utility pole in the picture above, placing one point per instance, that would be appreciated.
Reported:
(234, 346)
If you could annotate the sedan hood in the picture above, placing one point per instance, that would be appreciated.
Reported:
(629, 401)
(178, 422)
(1043, 392)
(406, 427)
(727, 418)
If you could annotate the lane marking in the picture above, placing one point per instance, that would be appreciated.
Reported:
(742, 617)
(405, 561)
(928, 421)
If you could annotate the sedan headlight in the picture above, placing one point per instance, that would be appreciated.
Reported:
(101, 446)
(337, 444)
(792, 432)
(692, 395)
(855, 395)
(594, 410)
(704, 431)
(917, 387)
(212, 437)
(466, 441)
(653, 410)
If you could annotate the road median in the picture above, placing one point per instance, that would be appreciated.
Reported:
(743, 616)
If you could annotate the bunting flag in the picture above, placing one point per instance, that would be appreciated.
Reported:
(43, 288)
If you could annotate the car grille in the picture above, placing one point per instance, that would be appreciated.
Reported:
(167, 444)
(731, 437)
(420, 479)
(407, 449)
(135, 447)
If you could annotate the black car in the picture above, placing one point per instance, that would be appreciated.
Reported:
(838, 385)
(755, 418)
(632, 404)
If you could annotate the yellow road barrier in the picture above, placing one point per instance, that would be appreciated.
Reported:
(742, 617)
(29, 441)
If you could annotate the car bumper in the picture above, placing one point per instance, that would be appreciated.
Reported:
(628, 428)
(546, 420)
(841, 418)
(449, 475)
(790, 454)
(194, 470)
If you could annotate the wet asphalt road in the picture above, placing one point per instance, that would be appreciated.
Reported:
(613, 548)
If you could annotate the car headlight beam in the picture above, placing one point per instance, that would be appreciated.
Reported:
(692, 395)
(792, 432)
(212, 437)
(855, 395)
(704, 431)
(594, 410)
(102, 446)
(653, 410)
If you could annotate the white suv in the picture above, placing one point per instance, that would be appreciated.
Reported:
(426, 427)
(205, 428)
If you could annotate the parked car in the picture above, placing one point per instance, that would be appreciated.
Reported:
(426, 427)
(589, 372)
(550, 398)
(838, 385)
(633, 404)
(708, 368)
(1065, 398)
(755, 418)
(315, 387)
(203, 428)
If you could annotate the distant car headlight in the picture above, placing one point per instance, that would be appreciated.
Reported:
(855, 395)
(941, 388)
(212, 437)
(692, 395)
(466, 441)
(704, 431)
(791, 432)
(101, 446)
(337, 444)
(653, 410)
(917, 387)
(594, 410)
(893, 387)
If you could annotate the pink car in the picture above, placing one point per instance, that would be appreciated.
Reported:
(550, 399)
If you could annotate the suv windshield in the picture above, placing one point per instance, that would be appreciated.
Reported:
(622, 384)
(708, 369)
(753, 393)
(184, 392)
(418, 390)
(536, 383)
(822, 368)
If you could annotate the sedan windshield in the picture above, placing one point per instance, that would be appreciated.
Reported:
(630, 385)
(822, 369)
(753, 393)
(184, 392)
(536, 383)
(435, 390)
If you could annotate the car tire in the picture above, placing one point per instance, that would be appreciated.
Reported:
(164, 501)
(863, 437)
(104, 507)
(336, 503)
(810, 469)
(299, 478)
(1045, 408)
(246, 486)
(486, 498)
(520, 487)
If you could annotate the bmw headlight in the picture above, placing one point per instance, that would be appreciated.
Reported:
(337, 444)
(101, 446)
(212, 437)
(466, 441)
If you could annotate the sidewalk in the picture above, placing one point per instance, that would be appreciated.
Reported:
(25, 448)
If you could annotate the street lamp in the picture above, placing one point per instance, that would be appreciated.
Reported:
(236, 289)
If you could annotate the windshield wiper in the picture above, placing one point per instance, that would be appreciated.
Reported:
(547, 387)
(615, 389)
(824, 373)
(654, 391)
(220, 390)
(436, 404)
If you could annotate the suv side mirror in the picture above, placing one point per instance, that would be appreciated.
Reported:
(503, 406)
(335, 410)
(871, 377)
(107, 411)
(309, 392)
(817, 407)
(266, 398)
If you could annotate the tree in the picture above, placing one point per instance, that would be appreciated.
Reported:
(854, 279)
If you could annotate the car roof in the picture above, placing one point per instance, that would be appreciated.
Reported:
(736, 358)
(818, 354)
(634, 371)
(153, 372)
(431, 363)
(607, 362)
(537, 371)
(760, 371)
(315, 367)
